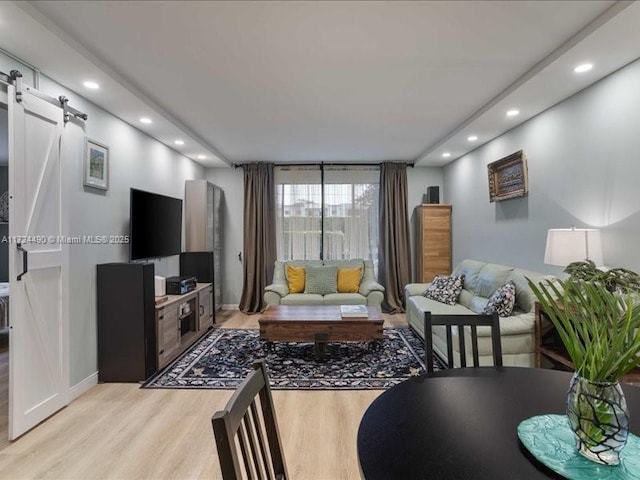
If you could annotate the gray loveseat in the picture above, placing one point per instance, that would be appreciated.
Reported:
(480, 281)
(370, 292)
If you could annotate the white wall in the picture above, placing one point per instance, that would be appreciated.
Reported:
(136, 160)
(583, 171)
(232, 182)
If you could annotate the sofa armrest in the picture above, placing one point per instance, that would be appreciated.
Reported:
(413, 289)
(281, 289)
(368, 286)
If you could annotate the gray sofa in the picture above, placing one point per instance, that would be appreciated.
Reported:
(480, 281)
(370, 293)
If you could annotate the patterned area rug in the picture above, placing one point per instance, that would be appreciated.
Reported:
(224, 357)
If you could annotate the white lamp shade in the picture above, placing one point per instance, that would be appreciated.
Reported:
(566, 245)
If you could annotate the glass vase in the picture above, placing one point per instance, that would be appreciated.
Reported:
(599, 418)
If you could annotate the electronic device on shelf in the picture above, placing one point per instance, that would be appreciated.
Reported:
(180, 285)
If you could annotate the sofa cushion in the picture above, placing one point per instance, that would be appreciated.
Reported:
(349, 280)
(344, 299)
(445, 289)
(502, 300)
(295, 278)
(416, 306)
(490, 278)
(352, 263)
(304, 263)
(321, 280)
(478, 303)
(302, 299)
(470, 269)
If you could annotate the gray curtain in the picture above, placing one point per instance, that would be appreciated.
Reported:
(394, 267)
(259, 234)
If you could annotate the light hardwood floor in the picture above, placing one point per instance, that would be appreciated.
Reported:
(119, 431)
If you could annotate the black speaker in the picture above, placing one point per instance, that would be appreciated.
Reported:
(432, 196)
(197, 264)
(126, 322)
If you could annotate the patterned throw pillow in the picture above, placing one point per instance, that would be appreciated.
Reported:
(445, 289)
(321, 280)
(502, 300)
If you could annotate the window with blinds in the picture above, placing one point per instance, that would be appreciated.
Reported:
(328, 212)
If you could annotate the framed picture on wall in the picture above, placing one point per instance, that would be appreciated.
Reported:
(508, 177)
(96, 165)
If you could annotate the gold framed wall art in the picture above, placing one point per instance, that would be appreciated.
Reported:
(508, 177)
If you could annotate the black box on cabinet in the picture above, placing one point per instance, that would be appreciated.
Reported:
(432, 195)
(180, 285)
(197, 264)
(126, 322)
(201, 266)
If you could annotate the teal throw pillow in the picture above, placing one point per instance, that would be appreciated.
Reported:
(321, 280)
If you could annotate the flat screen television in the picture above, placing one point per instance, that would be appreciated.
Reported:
(156, 225)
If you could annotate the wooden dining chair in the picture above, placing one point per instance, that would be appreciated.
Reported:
(461, 321)
(247, 435)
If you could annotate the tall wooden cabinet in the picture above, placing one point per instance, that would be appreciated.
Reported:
(433, 245)
(203, 227)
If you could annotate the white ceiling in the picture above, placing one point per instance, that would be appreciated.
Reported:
(324, 81)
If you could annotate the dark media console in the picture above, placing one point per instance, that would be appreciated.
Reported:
(136, 336)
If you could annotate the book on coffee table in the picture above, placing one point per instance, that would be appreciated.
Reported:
(354, 311)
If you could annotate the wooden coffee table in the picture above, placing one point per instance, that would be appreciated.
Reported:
(320, 324)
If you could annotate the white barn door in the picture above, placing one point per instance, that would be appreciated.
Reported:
(38, 342)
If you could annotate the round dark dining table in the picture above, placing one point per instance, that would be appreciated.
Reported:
(462, 424)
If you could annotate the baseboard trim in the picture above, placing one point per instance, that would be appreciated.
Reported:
(230, 306)
(83, 386)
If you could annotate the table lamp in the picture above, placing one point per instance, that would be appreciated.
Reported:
(567, 245)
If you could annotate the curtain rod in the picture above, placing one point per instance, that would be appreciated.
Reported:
(327, 164)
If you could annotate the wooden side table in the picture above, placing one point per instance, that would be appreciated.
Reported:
(549, 346)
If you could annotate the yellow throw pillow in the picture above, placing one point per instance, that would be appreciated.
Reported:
(295, 277)
(349, 280)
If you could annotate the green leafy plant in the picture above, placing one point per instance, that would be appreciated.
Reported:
(615, 279)
(599, 329)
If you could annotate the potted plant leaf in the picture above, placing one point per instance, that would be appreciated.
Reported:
(600, 330)
(619, 280)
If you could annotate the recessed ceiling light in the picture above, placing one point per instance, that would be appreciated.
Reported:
(513, 113)
(446, 154)
(202, 157)
(179, 142)
(585, 67)
(146, 120)
(472, 138)
(91, 85)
